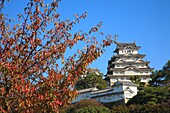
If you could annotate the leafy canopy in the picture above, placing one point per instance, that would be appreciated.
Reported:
(151, 95)
(86, 106)
(161, 77)
(91, 80)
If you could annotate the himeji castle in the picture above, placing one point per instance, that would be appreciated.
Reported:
(124, 64)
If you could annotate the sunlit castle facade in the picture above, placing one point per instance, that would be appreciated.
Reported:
(126, 63)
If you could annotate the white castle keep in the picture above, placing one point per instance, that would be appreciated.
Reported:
(126, 63)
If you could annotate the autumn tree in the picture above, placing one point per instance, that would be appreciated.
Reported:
(35, 74)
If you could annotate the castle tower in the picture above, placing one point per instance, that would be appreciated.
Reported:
(126, 63)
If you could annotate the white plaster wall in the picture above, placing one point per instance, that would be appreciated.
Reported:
(135, 52)
(82, 96)
(145, 79)
(110, 98)
(112, 81)
(130, 73)
(120, 52)
(124, 51)
(130, 95)
(126, 65)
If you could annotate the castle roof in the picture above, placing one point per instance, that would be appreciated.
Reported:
(131, 68)
(125, 83)
(87, 90)
(126, 45)
(132, 62)
(92, 70)
(130, 55)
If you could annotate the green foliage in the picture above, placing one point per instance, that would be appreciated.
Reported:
(93, 109)
(151, 95)
(91, 80)
(147, 108)
(135, 79)
(85, 106)
(161, 77)
(120, 109)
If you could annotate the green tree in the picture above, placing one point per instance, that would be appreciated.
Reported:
(161, 77)
(135, 79)
(86, 106)
(147, 108)
(151, 95)
(93, 109)
(91, 80)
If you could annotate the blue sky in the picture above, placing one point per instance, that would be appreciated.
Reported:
(147, 22)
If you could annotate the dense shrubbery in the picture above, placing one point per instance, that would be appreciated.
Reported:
(147, 108)
(151, 95)
(92, 106)
(93, 109)
(84, 106)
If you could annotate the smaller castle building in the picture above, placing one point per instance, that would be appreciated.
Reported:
(120, 93)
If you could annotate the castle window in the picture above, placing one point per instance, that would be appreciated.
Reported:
(122, 78)
(130, 64)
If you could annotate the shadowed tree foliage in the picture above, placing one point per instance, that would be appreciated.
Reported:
(135, 79)
(91, 80)
(161, 77)
(147, 108)
(151, 95)
(86, 106)
(35, 73)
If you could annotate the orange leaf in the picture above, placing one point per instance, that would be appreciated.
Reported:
(36, 0)
(3, 89)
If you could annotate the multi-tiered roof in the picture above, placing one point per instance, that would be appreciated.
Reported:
(126, 63)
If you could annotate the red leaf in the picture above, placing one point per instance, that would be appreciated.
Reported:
(3, 89)
(36, 0)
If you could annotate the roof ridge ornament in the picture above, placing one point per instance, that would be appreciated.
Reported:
(115, 38)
